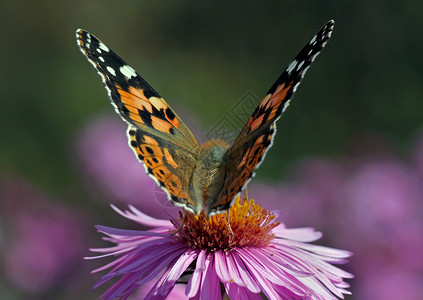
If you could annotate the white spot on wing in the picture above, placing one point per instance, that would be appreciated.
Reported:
(300, 65)
(313, 40)
(291, 66)
(103, 47)
(111, 71)
(101, 58)
(128, 71)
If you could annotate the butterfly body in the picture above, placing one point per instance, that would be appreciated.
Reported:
(209, 176)
(196, 177)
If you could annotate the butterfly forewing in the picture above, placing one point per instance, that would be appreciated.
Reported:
(255, 139)
(157, 135)
(134, 99)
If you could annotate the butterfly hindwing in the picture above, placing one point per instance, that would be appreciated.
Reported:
(255, 139)
(168, 166)
(157, 135)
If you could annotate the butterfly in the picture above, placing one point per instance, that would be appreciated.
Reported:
(196, 177)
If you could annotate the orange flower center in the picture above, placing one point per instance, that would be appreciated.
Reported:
(250, 225)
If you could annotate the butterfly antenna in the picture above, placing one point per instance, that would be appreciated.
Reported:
(246, 193)
(182, 224)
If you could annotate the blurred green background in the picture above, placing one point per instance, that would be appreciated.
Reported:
(202, 57)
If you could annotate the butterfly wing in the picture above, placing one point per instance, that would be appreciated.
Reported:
(156, 134)
(255, 139)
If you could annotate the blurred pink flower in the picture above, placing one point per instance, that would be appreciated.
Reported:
(315, 188)
(389, 283)
(43, 242)
(384, 225)
(381, 197)
(102, 149)
(324, 178)
(261, 256)
(287, 199)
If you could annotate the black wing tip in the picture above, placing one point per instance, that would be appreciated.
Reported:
(326, 30)
(306, 56)
(81, 33)
(84, 37)
(81, 37)
(329, 25)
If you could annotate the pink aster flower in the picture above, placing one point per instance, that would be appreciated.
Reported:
(256, 256)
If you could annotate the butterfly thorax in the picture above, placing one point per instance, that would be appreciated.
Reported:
(209, 176)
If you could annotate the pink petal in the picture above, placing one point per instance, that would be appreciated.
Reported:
(266, 287)
(221, 267)
(178, 268)
(142, 218)
(233, 269)
(126, 232)
(156, 291)
(299, 234)
(195, 280)
(235, 291)
(245, 275)
(325, 251)
(269, 271)
(210, 285)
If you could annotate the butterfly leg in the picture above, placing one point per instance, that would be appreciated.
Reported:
(229, 221)
(182, 223)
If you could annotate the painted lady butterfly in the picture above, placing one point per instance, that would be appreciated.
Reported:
(196, 177)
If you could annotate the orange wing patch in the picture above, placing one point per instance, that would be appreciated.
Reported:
(134, 98)
(169, 158)
(160, 104)
(161, 125)
(161, 116)
(269, 107)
